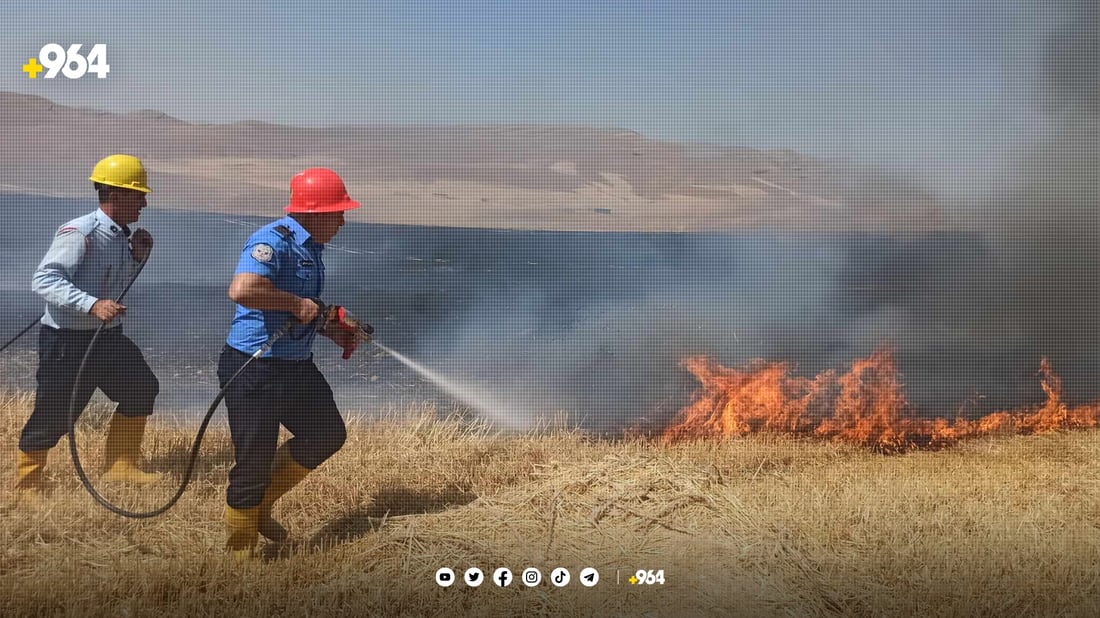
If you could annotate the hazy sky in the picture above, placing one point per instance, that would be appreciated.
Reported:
(888, 81)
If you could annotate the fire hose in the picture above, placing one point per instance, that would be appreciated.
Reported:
(355, 332)
(21, 333)
(334, 314)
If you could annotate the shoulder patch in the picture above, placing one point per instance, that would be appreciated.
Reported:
(81, 225)
(263, 253)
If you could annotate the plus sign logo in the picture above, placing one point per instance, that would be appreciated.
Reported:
(32, 68)
(72, 64)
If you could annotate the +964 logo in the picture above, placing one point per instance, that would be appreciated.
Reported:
(53, 59)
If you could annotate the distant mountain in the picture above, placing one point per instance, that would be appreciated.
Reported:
(526, 177)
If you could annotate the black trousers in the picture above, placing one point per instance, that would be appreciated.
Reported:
(116, 367)
(271, 392)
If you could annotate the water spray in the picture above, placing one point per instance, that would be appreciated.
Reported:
(469, 395)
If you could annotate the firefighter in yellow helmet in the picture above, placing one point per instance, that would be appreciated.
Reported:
(88, 264)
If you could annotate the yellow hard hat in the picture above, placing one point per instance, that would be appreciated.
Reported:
(123, 171)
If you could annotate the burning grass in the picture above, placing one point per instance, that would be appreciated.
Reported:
(866, 407)
(760, 525)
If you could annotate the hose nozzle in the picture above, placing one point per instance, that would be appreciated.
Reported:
(358, 330)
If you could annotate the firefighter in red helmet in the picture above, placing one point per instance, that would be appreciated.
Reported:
(279, 272)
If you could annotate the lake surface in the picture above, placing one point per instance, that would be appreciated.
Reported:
(594, 324)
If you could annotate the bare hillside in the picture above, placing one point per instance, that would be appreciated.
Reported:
(523, 177)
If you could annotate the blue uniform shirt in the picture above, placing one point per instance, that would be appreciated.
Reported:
(292, 261)
(88, 260)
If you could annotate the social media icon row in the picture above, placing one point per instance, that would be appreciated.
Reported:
(503, 578)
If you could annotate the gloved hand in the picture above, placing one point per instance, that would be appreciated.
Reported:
(345, 329)
(343, 337)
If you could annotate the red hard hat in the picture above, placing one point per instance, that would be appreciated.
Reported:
(319, 189)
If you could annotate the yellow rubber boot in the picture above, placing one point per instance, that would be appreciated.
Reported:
(240, 532)
(285, 474)
(29, 469)
(123, 451)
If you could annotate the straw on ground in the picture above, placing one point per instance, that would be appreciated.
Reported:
(753, 526)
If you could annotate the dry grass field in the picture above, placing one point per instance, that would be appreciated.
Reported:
(756, 525)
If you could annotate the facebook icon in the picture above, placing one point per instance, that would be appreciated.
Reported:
(502, 577)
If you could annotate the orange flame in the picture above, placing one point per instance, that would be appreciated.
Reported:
(866, 406)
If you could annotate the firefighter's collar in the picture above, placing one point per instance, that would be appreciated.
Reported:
(106, 221)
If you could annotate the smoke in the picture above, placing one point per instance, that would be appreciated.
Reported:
(1047, 224)
(1027, 285)
(1056, 196)
(1071, 57)
(594, 325)
(968, 314)
(599, 330)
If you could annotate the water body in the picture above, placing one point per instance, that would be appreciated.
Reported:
(594, 324)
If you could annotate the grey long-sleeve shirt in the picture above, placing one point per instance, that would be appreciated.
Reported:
(88, 260)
